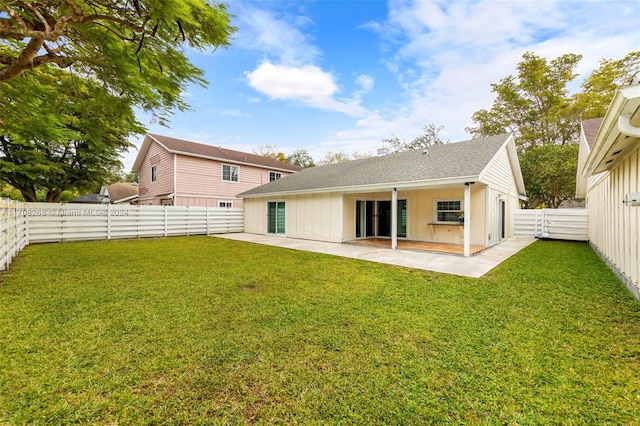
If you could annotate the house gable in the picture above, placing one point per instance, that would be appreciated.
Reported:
(503, 171)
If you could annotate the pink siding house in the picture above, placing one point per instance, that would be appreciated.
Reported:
(182, 173)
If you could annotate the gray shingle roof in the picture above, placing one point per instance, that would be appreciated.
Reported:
(590, 128)
(449, 161)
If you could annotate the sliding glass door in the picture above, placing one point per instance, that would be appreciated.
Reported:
(373, 218)
(275, 217)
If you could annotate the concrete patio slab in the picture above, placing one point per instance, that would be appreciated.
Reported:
(475, 266)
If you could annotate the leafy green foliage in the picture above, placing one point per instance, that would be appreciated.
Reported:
(550, 174)
(200, 330)
(535, 105)
(598, 89)
(133, 48)
(71, 72)
(60, 131)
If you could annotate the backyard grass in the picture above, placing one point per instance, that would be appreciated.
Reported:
(201, 330)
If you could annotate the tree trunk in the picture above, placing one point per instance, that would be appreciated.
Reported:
(53, 196)
(29, 194)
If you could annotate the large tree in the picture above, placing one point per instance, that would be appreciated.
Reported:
(60, 131)
(537, 107)
(71, 73)
(535, 104)
(133, 47)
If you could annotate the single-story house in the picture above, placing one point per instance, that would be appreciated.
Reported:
(462, 193)
(115, 193)
(608, 176)
(123, 193)
(182, 173)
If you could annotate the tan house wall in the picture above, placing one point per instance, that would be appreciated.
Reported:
(421, 214)
(309, 216)
(314, 216)
(614, 228)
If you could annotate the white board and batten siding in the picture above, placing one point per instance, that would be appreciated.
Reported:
(559, 224)
(501, 186)
(615, 227)
(308, 216)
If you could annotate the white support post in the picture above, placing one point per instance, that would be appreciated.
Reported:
(467, 219)
(394, 219)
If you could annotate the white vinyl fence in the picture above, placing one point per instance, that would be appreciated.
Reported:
(559, 224)
(25, 223)
(13, 231)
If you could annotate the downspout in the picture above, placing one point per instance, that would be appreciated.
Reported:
(175, 178)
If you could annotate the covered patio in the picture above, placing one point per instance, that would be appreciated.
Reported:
(427, 246)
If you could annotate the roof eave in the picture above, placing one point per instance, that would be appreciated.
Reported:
(609, 129)
(421, 184)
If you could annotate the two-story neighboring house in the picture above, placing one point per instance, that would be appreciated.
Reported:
(182, 173)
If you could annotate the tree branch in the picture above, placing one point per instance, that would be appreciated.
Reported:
(22, 62)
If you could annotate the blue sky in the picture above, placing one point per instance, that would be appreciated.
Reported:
(331, 76)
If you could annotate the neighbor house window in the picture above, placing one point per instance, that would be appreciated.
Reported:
(448, 210)
(154, 173)
(274, 176)
(230, 173)
(225, 204)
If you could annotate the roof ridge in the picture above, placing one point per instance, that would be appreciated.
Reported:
(206, 150)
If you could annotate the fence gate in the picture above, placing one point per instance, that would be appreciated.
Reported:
(558, 224)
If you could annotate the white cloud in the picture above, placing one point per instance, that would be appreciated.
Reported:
(284, 82)
(307, 84)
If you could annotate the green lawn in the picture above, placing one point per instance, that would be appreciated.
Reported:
(201, 330)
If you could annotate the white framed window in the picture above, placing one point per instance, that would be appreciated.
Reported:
(274, 176)
(225, 204)
(448, 211)
(230, 173)
(154, 173)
